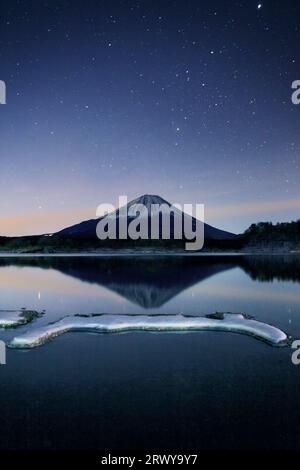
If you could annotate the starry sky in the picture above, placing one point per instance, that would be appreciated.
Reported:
(187, 99)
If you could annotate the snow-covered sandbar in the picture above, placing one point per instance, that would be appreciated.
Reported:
(14, 318)
(102, 323)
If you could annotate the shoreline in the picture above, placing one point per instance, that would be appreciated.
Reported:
(145, 254)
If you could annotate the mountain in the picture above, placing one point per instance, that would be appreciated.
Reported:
(87, 229)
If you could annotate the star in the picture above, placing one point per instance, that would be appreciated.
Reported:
(259, 6)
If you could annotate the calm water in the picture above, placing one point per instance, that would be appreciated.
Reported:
(151, 390)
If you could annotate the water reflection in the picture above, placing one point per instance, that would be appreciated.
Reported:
(120, 382)
(151, 282)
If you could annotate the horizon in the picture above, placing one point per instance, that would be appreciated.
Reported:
(63, 220)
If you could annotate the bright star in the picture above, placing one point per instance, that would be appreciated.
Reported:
(259, 6)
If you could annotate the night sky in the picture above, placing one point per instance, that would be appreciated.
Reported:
(190, 100)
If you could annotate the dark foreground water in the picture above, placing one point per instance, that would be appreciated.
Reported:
(206, 390)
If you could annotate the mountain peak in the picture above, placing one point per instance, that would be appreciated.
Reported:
(148, 199)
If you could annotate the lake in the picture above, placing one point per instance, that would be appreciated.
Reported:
(153, 390)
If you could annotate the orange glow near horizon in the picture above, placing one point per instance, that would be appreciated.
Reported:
(42, 222)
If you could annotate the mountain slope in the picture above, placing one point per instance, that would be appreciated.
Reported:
(87, 229)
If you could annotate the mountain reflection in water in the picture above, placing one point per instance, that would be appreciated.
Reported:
(150, 282)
